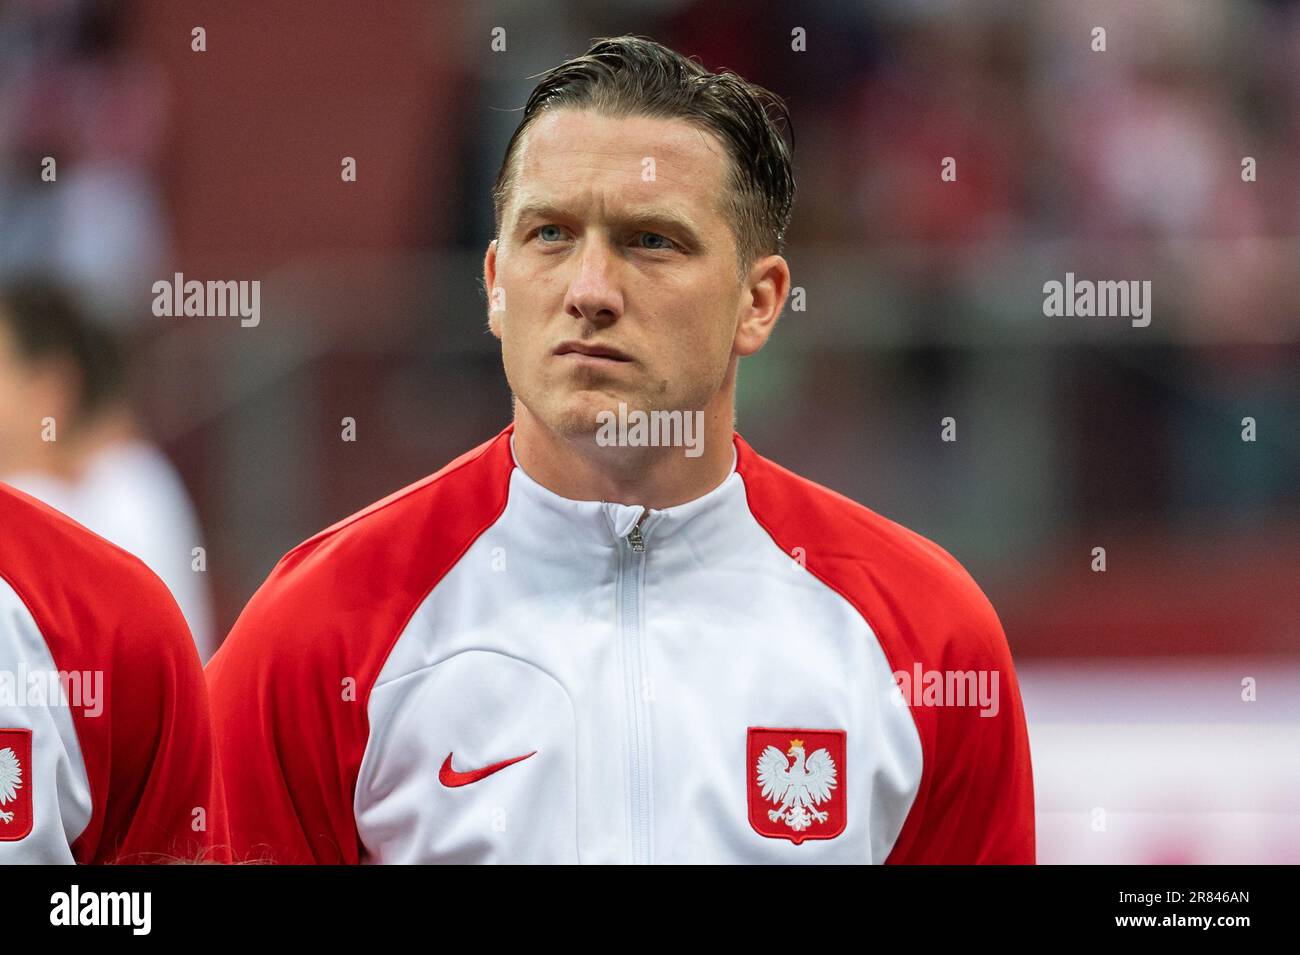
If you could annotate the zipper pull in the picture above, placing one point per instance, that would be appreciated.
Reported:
(634, 538)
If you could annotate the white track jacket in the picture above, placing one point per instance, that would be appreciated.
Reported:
(476, 669)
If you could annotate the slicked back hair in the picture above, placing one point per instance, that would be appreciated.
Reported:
(628, 76)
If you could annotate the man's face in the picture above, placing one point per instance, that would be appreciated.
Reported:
(614, 276)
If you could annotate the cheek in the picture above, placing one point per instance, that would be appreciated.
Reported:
(707, 339)
(518, 326)
(695, 352)
(525, 299)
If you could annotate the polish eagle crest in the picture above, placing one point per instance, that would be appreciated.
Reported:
(798, 788)
(11, 780)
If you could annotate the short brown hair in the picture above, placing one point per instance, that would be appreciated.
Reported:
(632, 76)
(48, 320)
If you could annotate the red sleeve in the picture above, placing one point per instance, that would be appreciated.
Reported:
(290, 723)
(975, 799)
(975, 804)
(147, 750)
(159, 797)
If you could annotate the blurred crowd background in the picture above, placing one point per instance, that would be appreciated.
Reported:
(924, 300)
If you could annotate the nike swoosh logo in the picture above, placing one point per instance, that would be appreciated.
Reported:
(449, 777)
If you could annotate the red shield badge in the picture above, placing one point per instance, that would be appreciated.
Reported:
(797, 783)
(15, 784)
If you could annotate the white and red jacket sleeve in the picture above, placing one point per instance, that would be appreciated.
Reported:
(118, 766)
(291, 683)
(975, 801)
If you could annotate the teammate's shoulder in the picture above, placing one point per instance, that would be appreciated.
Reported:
(865, 555)
(45, 549)
(82, 589)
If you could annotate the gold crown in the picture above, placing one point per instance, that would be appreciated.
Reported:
(795, 744)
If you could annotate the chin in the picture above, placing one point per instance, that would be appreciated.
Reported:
(575, 415)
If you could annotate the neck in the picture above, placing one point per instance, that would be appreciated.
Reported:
(577, 467)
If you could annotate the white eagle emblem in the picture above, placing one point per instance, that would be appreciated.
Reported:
(796, 789)
(11, 780)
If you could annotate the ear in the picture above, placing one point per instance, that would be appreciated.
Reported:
(490, 287)
(762, 299)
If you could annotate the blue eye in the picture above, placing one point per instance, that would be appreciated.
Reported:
(544, 228)
(668, 243)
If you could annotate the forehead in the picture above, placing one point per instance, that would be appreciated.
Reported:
(579, 157)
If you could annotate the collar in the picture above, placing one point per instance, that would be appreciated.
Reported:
(607, 522)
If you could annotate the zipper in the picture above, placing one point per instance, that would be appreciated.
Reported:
(635, 539)
(632, 562)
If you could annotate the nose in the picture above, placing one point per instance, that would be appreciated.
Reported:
(594, 293)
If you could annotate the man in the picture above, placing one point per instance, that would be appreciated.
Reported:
(106, 750)
(69, 437)
(574, 645)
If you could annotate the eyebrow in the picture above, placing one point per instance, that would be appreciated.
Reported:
(646, 218)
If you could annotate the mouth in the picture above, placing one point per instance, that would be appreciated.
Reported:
(580, 351)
